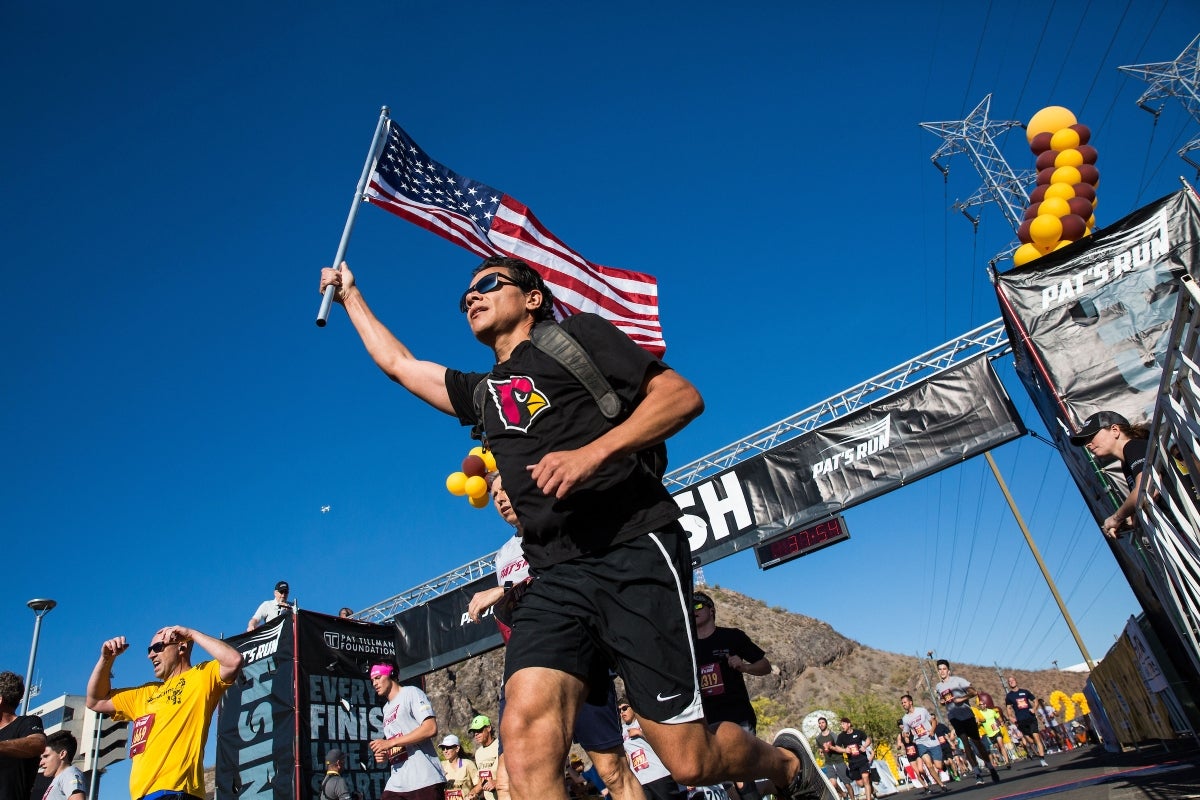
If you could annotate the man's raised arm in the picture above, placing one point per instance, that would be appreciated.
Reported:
(424, 379)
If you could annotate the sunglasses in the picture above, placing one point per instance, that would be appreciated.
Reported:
(491, 282)
(624, 708)
(449, 746)
(158, 647)
(698, 606)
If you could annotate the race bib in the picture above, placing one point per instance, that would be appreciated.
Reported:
(947, 695)
(485, 775)
(853, 750)
(638, 760)
(910, 750)
(141, 732)
(919, 729)
(711, 681)
(397, 755)
(454, 794)
(1022, 703)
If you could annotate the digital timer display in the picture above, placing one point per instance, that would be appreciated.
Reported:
(794, 544)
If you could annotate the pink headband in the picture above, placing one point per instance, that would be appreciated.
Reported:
(384, 670)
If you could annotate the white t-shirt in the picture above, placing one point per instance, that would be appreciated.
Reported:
(920, 725)
(643, 761)
(65, 784)
(268, 610)
(511, 566)
(414, 766)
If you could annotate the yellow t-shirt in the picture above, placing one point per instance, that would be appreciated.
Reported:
(170, 726)
(461, 777)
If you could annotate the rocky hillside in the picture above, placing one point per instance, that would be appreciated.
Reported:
(813, 665)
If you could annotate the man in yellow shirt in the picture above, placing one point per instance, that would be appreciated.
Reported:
(171, 715)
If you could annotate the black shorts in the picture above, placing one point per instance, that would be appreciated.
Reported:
(857, 767)
(1028, 727)
(628, 607)
(966, 729)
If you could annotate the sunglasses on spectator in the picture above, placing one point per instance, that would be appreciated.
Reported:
(491, 282)
(624, 708)
(158, 647)
(448, 746)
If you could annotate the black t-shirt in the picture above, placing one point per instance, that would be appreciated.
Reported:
(1022, 703)
(535, 406)
(856, 743)
(945, 738)
(16, 774)
(722, 688)
(1133, 459)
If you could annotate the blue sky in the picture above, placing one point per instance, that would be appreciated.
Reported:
(178, 173)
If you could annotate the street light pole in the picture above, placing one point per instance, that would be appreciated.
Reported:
(40, 607)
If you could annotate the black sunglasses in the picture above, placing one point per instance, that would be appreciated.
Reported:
(158, 647)
(488, 283)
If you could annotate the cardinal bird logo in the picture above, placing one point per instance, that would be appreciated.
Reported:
(519, 402)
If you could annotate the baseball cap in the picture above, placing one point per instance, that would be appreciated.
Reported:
(450, 741)
(702, 598)
(479, 723)
(1096, 423)
(281, 586)
(333, 756)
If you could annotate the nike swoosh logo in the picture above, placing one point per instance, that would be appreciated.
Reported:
(662, 699)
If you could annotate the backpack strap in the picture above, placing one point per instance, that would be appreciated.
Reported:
(551, 339)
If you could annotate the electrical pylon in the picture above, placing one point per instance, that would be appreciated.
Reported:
(1179, 78)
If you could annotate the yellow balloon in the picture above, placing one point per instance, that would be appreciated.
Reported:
(1062, 244)
(1054, 206)
(1062, 190)
(489, 461)
(1025, 253)
(456, 483)
(1045, 230)
(1049, 120)
(1068, 158)
(476, 451)
(478, 502)
(476, 487)
(1047, 248)
(1067, 175)
(1065, 139)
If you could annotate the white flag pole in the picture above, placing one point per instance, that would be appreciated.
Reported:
(372, 154)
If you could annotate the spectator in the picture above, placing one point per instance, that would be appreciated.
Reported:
(334, 786)
(346, 612)
(462, 775)
(66, 781)
(487, 753)
(21, 741)
(1107, 435)
(170, 717)
(407, 747)
(270, 609)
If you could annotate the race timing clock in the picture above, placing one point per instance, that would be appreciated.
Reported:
(793, 544)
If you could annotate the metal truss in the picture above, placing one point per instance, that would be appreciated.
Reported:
(988, 338)
(419, 595)
(975, 136)
(1180, 79)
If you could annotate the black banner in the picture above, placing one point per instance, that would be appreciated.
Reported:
(439, 633)
(338, 706)
(1098, 313)
(256, 728)
(946, 419)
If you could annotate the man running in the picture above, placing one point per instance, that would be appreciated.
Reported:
(956, 694)
(917, 722)
(1021, 704)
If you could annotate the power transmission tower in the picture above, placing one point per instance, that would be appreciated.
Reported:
(976, 137)
(1179, 78)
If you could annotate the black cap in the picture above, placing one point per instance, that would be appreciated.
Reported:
(1096, 423)
(333, 756)
(703, 599)
(281, 587)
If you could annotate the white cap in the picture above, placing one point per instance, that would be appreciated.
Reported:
(450, 741)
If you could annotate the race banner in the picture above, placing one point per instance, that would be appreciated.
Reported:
(1095, 316)
(338, 706)
(256, 728)
(918, 431)
(439, 633)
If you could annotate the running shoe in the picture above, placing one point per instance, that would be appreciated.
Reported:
(810, 782)
(1043, 763)
(945, 789)
(995, 775)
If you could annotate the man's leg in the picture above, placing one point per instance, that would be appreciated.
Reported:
(539, 715)
(865, 780)
(613, 767)
(696, 756)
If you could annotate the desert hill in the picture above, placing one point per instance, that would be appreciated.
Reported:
(813, 666)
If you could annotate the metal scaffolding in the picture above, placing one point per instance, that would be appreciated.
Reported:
(1180, 79)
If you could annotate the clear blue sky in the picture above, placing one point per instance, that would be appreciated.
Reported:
(176, 175)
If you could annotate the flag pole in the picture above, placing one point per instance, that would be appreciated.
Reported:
(327, 298)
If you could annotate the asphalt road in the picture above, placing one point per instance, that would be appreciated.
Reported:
(1093, 774)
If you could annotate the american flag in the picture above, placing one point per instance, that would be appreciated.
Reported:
(411, 185)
